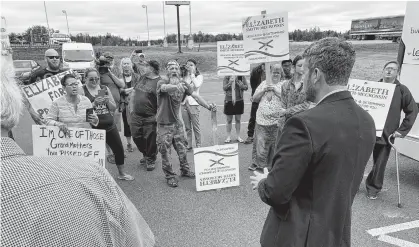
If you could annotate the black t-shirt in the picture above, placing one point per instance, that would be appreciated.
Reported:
(43, 74)
(106, 120)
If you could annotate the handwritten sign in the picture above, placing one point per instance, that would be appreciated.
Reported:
(42, 93)
(230, 59)
(265, 38)
(374, 97)
(410, 33)
(218, 167)
(82, 143)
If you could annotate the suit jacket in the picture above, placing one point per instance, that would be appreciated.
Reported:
(317, 169)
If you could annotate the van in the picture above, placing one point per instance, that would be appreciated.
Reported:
(78, 56)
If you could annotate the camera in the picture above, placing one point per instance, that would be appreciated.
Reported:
(183, 71)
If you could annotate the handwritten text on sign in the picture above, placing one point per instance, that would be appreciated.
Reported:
(374, 97)
(230, 59)
(42, 93)
(84, 143)
(265, 38)
(218, 167)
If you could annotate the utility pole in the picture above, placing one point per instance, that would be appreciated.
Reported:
(46, 15)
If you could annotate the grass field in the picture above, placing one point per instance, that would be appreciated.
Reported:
(369, 61)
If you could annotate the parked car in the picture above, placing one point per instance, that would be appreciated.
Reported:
(24, 69)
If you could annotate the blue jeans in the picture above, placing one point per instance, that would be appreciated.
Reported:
(264, 143)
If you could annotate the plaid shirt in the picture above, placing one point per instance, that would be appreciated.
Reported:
(62, 201)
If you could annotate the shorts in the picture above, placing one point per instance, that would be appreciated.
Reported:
(233, 109)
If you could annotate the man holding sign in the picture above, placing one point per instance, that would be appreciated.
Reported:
(402, 101)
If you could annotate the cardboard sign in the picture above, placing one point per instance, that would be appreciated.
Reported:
(42, 93)
(410, 33)
(374, 97)
(230, 59)
(217, 167)
(82, 143)
(266, 38)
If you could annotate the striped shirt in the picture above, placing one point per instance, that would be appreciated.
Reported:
(64, 201)
(62, 111)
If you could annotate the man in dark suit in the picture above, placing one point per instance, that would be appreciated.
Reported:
(320, 157)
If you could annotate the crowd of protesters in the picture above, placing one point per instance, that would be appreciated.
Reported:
(160, 111)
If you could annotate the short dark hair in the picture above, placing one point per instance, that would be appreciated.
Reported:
(65, 78)
(155, 65)
(332, 56)
(395, 62)
(286, 61)
(296, 59)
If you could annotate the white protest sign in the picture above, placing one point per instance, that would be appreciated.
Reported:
(81, 143)
(42, 93)
(217, 167)
(410, 35)
(230, 58)
(265, 38)
(374, 97)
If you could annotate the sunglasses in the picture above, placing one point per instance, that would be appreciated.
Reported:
(52, 57)
(73, 84)
(92, 79)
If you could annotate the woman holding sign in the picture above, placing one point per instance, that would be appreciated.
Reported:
(234, 87)
(104, 105)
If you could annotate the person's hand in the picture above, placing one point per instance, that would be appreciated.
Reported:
(128, 90)
(228, 84)
(93, 119)
(212, 107)
(398, 135)
(63, 127)
(258, 176)
(99, 100)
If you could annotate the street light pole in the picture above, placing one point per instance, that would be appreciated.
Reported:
(5, 23)
(68, 29)
(164, 28)
(148, 30)
(46, 15)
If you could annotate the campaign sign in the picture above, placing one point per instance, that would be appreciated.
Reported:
(374, 97)
(42, 93)
(410, 35)
(81, 143)
(265, 38)
(230, 59)
(217, 167)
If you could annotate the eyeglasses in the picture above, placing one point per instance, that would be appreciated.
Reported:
(75, 84)
(390, 69)
(52, 57)
(93, 79)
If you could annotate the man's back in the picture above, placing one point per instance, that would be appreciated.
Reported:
(62, 201)
(312, 205)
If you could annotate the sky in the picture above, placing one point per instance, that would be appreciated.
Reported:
(128, 18)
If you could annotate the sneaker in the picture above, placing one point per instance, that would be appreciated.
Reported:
(248, 140)
(372, 196)
(172, 182)
(142, 162)
(130, 148)
(150, 166)
(187, 174)
(253, 167)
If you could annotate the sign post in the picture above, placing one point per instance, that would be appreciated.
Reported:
(177, 4)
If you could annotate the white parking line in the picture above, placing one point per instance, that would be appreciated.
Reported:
(397, 241)
(232, 123)
(394, 228)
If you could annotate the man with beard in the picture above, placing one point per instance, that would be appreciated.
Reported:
(171, 92)
(402, 101)
(53, 68)
(142, 111)
(320, 157)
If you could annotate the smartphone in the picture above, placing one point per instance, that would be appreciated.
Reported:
(101, 93)
(89, 111)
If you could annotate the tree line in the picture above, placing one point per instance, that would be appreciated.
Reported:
(39, 33)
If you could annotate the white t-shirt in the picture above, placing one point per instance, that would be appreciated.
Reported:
(269, 111)
(197, 81)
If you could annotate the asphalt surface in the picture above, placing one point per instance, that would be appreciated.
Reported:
(233, 217)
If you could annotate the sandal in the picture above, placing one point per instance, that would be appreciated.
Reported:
(240, 140)
(172, 182)
(187, 174)
(111, 159)
(228, 140)
(126, 177)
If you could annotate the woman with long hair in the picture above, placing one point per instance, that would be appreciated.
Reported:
(234, 87)
(104, 106)
(190, 108)
(128, 77)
